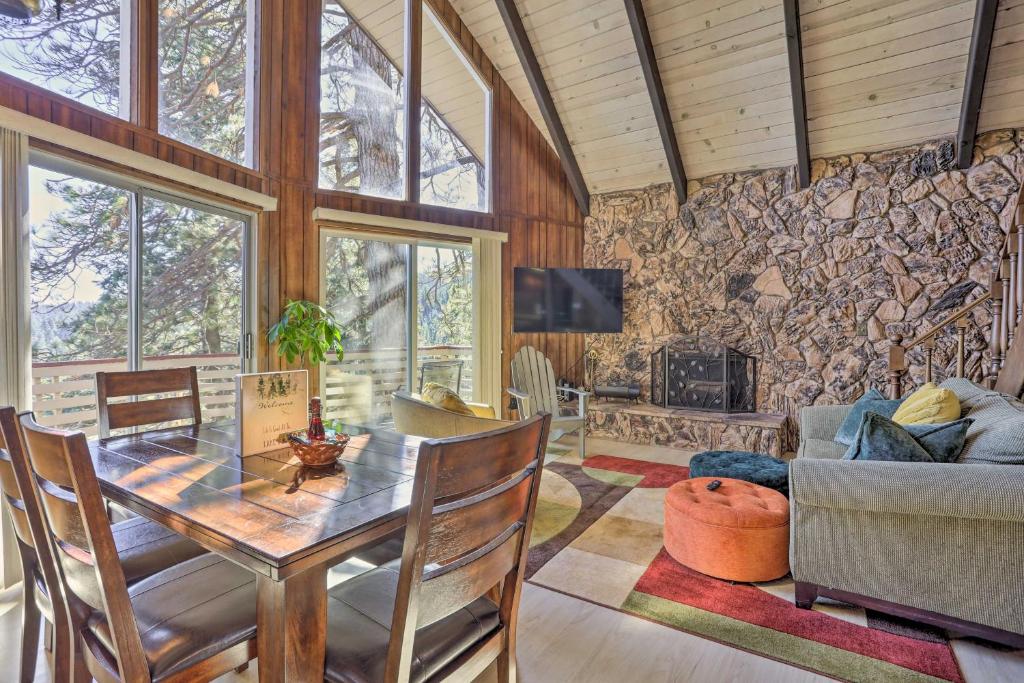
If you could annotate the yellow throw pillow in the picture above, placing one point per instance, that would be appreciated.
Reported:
(928, 405)
(443, 397)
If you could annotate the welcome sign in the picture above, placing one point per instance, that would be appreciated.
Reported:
(268, 404)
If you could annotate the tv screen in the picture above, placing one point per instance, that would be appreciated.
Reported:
(567, 300)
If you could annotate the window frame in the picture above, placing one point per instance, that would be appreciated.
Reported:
(139, 189)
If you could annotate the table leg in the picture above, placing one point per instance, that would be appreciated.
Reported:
(291, 627)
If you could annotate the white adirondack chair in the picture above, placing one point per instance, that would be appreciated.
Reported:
(535, 390)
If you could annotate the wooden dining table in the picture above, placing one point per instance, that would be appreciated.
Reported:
(285, 522)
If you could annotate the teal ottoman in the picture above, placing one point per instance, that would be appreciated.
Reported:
(757, 468)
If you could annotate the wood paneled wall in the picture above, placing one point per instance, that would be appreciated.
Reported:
(531, 199)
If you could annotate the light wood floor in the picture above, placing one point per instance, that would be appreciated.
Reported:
(563, 639)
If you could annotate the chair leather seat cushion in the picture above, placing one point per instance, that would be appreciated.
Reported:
(359, 615)
(189, 613)
(146, 548)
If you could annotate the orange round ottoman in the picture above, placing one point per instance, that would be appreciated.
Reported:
(737, 532)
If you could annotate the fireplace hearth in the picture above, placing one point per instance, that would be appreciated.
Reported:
(698, 373)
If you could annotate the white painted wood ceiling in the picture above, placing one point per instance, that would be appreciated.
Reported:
(878, 74)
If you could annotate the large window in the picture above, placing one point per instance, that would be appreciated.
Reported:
(454, 130)
(370, 283)
(78, 54)
(205, 79)
(125, 278)
(362, 140)
(362, 108)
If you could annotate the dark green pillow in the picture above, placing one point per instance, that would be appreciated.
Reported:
(879, 438)
(873, 401)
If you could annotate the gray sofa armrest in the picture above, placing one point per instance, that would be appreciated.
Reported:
(822, 422)
(961, 491)
(893, 531)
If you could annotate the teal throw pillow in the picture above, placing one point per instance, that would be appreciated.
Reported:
(944, 441)
(879, 438)
(873, 401)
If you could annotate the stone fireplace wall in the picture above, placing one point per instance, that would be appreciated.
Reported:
(812, 282)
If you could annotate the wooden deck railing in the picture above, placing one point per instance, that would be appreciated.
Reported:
(64, 392)
(358, 388)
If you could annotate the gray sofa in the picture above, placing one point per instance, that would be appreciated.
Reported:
(939, 543)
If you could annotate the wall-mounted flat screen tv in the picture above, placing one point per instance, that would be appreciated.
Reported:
(567, 300)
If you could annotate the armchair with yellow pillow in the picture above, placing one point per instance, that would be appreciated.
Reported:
(439, 412)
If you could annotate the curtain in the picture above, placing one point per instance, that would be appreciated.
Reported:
(15, 342)
(487, 319)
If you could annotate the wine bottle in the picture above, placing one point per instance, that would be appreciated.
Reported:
(316, 431)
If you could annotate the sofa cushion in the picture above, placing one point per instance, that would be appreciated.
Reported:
(997, 432)
(873, 401)
(879, 438)
(821, 449)
(966, 391)
(929, 404)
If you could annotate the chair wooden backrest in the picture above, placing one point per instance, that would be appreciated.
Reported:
(144, 382)
(29, 526)
(88, 566)
(467, 532)
(533, 374)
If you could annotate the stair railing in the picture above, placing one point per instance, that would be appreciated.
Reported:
(1006, 294)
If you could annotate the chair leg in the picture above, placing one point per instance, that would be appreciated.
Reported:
(48, 635)
(581, 443)
(79, 670)
(62, 664)
(507, 667)
(30, 626)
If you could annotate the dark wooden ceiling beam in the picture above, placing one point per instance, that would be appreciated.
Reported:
(655, 88)
(974, 85)
(794, 47)
(534, 75)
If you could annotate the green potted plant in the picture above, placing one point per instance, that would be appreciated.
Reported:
(306, 331)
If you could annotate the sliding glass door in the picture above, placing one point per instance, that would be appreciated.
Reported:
(123, 278)
(192, 296)
(406, 308)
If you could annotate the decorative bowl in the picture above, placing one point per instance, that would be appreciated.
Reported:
(319, 453)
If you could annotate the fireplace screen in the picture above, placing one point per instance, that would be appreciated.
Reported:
(702, 374)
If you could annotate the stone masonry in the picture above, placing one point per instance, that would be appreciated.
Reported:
(813, 282)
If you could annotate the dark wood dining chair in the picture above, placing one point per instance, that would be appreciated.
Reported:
(143, 547)
(192, 622)
(39, 580)
(435, 614)
(143, 383)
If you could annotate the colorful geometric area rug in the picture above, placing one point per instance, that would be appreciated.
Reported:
(598, 536)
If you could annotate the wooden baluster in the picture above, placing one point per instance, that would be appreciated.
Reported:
(1004, 334)
(929, 354)
(1019, 247)
(897, 366)
(1012, 302)
(997, 327)
(961, 346)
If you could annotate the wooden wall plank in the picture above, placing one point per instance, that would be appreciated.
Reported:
(531, 199)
